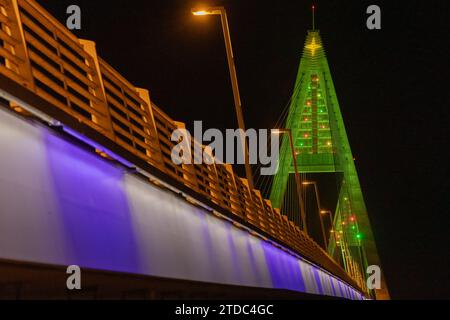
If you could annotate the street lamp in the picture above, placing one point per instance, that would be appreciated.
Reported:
(237, 98)
(330, 215)
(316, 189)
(297, 175)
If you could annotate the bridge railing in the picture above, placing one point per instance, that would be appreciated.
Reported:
(40, 54)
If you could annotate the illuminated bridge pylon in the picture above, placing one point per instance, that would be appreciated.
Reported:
(321, 146)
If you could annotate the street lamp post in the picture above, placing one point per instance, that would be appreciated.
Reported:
(316, 189)
(329, 215)
(231, 66)
(297, 175)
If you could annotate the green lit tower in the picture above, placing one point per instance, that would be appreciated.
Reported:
(321, 146)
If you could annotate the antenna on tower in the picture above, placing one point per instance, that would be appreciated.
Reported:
(313, 9)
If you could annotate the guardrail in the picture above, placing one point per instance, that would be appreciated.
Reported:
(40, 54)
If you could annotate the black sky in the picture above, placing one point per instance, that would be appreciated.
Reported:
(392, 85)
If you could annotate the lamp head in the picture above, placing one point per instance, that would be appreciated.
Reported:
(206, 11)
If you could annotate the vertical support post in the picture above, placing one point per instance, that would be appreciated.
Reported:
(105, 123)
(153, 132)
(262, 218)
(21, 51)
(215, 189)
(234, 189)
(316, 189)
(298, 182)
(248, 204)
(188, 169)
(236, 94)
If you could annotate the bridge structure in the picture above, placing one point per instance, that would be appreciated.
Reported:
(86, 178)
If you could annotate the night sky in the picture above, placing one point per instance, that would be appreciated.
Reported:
(391, 85)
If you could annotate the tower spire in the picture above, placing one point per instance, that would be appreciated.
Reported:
(323, 148)
(313, 10)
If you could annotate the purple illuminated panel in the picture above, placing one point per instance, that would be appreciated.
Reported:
(61, 204)
(94, 213)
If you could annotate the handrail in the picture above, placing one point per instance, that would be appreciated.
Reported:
(40, 54)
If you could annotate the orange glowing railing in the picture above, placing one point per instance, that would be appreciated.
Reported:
(40, 54)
